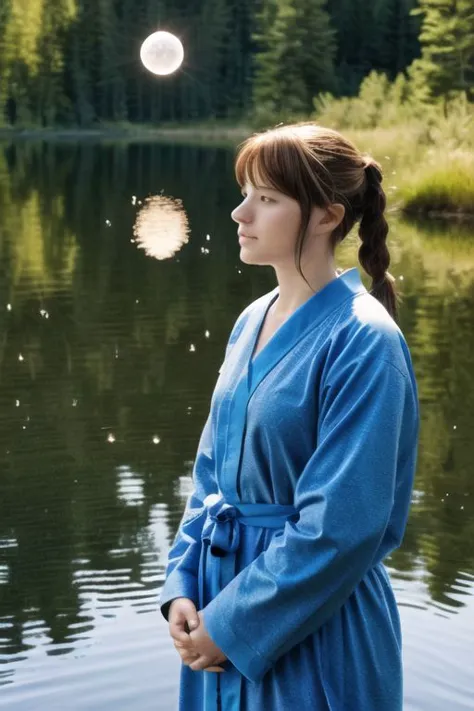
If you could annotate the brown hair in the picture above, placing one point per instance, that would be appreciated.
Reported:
(318, 166)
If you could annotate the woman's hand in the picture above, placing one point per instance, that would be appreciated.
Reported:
(182, 617)
(209, 655)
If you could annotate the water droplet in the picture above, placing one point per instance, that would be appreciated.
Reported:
(137, 301)
(17, 403)
(74, 403)
(108, 223)
(44, 313)
(207, 334)
(401, 277)
(455, 427)
(134, 199)
(20, 357)
(208, 238)
(190, 407)
(462, 508)
(9, 307)
(156, 440)
(192, 348)
(239, 271)
(110, 438)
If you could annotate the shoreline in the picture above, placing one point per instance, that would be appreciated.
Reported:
(213, 134)
(210, 135)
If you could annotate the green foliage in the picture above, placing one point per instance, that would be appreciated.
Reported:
(447, 40)
(443, 185)
(380, 103)
(427, 143)
(295, 57)
(76, 62)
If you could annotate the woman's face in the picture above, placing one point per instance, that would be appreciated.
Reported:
(272, 220)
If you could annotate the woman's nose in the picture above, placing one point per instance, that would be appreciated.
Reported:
(240, 214)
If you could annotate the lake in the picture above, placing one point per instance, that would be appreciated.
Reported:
(120, 281)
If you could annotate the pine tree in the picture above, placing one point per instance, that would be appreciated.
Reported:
(237, 60)
(380, 35)
(20, 58)
(79, 58)
(51, 103)
(447, 39)
(295, 61)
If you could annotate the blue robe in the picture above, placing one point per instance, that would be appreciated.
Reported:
(302, 485)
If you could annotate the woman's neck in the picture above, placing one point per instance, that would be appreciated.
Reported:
(293, 291)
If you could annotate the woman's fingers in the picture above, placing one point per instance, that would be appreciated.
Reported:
(183, 618)
(177, 631)
(188, 655)
(181, 646)
(204, 663)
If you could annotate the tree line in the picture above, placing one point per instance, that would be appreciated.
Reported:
(76, 62)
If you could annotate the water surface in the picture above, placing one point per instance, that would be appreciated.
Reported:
(120, 281)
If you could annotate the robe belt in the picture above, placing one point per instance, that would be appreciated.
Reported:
(221, 531)
(222, 526)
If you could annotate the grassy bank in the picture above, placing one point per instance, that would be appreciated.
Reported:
(426, 147)
(421, 177)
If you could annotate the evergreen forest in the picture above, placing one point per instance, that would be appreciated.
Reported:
(76, 62)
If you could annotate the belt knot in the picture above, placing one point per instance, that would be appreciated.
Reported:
(221, 528)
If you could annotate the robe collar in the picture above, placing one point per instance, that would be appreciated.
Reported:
(304, 319)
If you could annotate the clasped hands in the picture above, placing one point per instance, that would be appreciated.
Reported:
(196, 649)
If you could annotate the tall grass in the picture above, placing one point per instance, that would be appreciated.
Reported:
(443, 185)
(426, 148)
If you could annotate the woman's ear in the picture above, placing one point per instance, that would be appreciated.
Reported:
(334, 214)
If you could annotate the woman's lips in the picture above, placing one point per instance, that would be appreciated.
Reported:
(244, 238)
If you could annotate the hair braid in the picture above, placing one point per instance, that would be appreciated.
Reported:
(373, 230)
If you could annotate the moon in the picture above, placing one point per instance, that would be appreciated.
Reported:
(162, 53)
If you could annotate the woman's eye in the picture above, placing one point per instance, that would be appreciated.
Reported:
(263, 198)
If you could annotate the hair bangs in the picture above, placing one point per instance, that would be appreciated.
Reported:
(261, 162)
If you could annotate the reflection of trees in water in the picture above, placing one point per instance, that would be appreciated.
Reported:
(441, 337)
(115, 353)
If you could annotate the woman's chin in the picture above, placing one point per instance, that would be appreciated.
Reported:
(246, 257)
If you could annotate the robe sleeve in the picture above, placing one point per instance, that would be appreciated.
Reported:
(346, 495)
(183, 558)
(181, 576)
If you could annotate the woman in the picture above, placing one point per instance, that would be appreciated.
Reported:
(276, 594)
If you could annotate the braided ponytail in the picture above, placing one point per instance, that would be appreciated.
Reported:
(373, 229)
